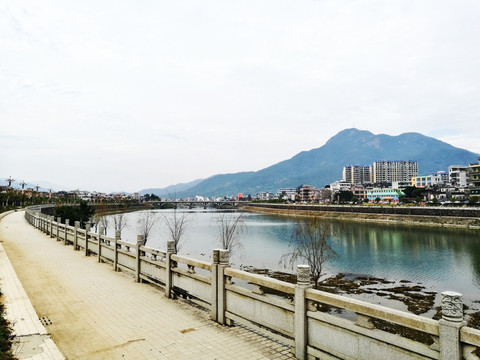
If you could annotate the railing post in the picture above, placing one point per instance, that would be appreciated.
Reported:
(101, 230)
(67, 223)
(52, 219)
(169, 264)
(75, 235)
(140, 242)
(214, 280)
(450, 325)
(59, 221)
(222, 263)
(87, 229)
(301, 331)
(47, 224)
(44, 227)
(115, 249)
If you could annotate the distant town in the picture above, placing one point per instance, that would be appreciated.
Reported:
(383, 182)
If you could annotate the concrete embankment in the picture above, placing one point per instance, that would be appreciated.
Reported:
(468, 218)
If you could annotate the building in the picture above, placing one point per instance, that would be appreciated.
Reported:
(264, 196)
(458, 175)
(385, 195)
(474, 181)
(401, 184)
(306, 193)
(390, 171)
(440, 178)
(359, 191)
(357, 174)
(287, 193)
(340, 186)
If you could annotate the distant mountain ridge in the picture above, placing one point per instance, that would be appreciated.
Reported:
(323, 165)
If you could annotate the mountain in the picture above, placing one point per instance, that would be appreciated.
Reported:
(324, 165)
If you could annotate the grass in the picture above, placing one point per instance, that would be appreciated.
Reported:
(5, 336)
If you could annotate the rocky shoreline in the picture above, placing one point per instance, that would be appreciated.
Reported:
(416, 298)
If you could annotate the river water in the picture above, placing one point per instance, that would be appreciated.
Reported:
(440, 259)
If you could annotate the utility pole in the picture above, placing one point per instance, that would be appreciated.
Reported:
(10, 180)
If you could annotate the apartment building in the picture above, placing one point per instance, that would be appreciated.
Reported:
(390, 171)
(357, 174)
(474, 170)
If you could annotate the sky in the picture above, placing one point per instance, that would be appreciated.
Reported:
(127, 95)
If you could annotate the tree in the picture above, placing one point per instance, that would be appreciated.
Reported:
(309, 241)
(104, 222)
(344, 196)
(230, 226)
(177, 225)
(82, 213)
(151, 197)
(119, 221)
(473, 199)
(146, 222)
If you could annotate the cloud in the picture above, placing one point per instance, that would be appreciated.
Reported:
(175, 91)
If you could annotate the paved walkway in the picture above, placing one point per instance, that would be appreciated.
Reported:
(93, 312)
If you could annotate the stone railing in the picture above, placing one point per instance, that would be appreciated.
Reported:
(313, 323)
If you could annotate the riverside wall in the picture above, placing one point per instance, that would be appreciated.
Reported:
(294, 314)
(461, 217)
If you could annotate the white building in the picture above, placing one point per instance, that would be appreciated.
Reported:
(390, 171)
(340, 186)
(287, 193)
(458, 175)
(264, 196)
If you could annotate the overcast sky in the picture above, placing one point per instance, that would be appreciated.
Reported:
(125, 95)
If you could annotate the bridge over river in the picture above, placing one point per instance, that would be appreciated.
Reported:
(199, 203)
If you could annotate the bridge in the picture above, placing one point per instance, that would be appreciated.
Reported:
(199, 203)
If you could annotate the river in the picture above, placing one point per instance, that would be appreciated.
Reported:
(438, 258)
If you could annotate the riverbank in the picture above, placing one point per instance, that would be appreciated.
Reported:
(383, 218)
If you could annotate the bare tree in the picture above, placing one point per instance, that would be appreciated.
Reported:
(177, 224)
(309, 242)
(230, 226)
(119, 221)
(146, 222)
(104, 222)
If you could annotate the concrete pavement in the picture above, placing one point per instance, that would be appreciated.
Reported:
(92, 312)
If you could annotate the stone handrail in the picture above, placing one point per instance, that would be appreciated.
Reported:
(294, 314)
